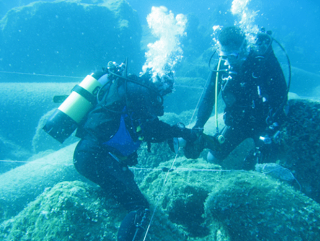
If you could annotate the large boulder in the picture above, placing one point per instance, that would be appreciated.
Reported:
(77, 211)
(68, 38)
(68, 211)
(206, 201)
(23, 184)
(301, 137)
(22, 106)
(251, 206)
(304, 82)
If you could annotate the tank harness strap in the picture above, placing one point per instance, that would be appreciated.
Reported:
(84, 93)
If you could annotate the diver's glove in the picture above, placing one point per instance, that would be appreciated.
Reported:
(181, 131)
(193, 147)
(193, 150)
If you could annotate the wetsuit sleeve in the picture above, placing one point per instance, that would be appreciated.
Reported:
(159, 131)
(207, 102)
(278, 86)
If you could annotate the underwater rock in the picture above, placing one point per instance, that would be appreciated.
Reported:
(23, 184)
(252, 206)
(67, 211)
(23, 104)
(304, 82)
(77, 211)
(42, 141)
(301, 135)
(12, 151)
(180, 193)
(68, 38)
(205, 202)
(275, 170)
(11, 155)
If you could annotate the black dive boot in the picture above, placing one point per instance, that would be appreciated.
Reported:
(134, 225)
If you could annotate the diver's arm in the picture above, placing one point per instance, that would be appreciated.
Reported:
(207, 102)
(278, 86)
(159, 131)
(277, 90)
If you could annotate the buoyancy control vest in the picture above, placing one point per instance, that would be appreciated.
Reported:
(115, 120)
(254, 91)
(122, 142)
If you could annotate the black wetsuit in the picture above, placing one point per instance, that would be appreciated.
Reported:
(254, 99)
(111, 135)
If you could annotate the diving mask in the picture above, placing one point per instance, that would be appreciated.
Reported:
(232, 55)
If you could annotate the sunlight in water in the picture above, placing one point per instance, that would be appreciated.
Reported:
(165, 52)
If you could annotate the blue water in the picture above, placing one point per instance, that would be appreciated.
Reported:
(294, 23)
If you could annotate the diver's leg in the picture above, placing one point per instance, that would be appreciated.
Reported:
(134, 225)
(233, 137)
(96, 164)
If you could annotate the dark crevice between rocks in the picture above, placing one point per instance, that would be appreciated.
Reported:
(188, 210)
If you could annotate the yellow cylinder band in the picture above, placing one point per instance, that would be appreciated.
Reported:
(90, 84)
(75, 106)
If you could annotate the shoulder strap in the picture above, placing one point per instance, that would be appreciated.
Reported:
(108, 94)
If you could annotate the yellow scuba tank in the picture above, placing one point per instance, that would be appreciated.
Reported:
(66, 118)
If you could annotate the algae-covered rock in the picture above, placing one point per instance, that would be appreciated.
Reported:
(301, 137)
(181, 193)
(23, 184)
(23, 104)
(78, 211)
(209, 203)
(252, 206)
(68, 211)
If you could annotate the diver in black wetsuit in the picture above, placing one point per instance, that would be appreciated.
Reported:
(126, 114)
(254, 90)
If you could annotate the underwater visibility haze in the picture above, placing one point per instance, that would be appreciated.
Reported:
(48, 47)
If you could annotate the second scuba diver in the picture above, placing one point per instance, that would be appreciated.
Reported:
(254, 91)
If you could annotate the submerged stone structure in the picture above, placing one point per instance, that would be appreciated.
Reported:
(301, 135)
(193, 199)
(23, 184)
(68, 38)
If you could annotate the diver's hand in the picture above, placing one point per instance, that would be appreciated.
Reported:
(197, 131)
(187, 134)
(192, 150)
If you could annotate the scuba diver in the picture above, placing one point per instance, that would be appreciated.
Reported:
(254, 91)
(125, 114)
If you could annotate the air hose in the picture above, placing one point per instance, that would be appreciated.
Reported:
(216, 96)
